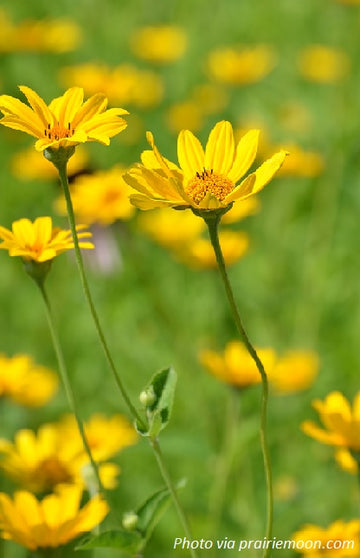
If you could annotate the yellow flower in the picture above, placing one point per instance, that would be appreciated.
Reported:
(105, 436)
(25, 382)
(235, 366)
(295, 371)
(159, 44)
(31, 165)
(66, 121)
(199, 254)
(123, 84)
(323, 64)
(339, 540)
(101, 197)
(52, 522)
(39, 241)
(341, 422)
(205, 180)
(239, 66)
(56, 454)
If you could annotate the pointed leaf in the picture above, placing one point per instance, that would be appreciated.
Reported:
(128, 541)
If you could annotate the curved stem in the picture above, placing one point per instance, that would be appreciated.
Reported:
(66, 382)
(165, 474)
(79, 260)
(212, 224)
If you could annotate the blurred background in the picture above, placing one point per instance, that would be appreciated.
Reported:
(289, 68)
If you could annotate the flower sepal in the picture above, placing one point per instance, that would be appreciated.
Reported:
(211, 214)
(59, 156)
(37, 270)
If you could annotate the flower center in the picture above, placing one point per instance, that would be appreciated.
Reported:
(52, 472)
(57, 132)
(217, 184)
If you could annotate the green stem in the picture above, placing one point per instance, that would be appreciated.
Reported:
(212, 224)
(65, 380)
(70, 211)
(165, 474)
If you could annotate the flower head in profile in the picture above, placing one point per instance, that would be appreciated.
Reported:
(25, 382)
(235, 366)
(39, 241)
(66, 121)
(51, 522)
(340, 539)
(206, 179)
(341, 422)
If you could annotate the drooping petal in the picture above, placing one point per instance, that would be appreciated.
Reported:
(190, 154)
(219, 151)
(145, 202)
(244, 156)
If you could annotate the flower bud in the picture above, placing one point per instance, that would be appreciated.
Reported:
(130, 521)
(147, 397)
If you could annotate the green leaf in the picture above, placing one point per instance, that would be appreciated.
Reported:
(163, 384)
(128, 541)
(150, 512)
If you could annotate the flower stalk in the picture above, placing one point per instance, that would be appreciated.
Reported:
(60, 158)
(212, 220)
(65, 380)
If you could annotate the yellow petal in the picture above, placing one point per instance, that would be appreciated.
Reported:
(190, 154)
(245, 155)
(90, 108)
(219, 152)
(24, 232)
(145, 203)
(43, 229)
(68, 105)
(38, 105)
(11, 106)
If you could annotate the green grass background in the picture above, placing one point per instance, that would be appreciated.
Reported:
(297, 288)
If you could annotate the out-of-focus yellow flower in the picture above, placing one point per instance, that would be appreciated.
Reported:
(340, 540)
(52, 522)
(160, 44)
(171, 228)
(46, 35)
(205, 180)
(185, 114)
(294, 371)
(210, 97)
(307, 164)
(199, 254)
(56, 454)
(101, 197)
(31, 165)
(25, 382)
(235, 366)
(40, 241)
(123, 84)
(241, 66)
(323, 64)
(106, 436)
(66, 121)
(285, 488)
(341, 422)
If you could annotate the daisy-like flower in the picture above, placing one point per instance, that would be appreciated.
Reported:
(55, 454)
(206, 179)
(25, 382)
(39, 241)
(66, 121)
(52, 522)
(341, 422)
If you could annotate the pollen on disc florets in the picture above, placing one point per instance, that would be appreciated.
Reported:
(58, 132)
(208, 181)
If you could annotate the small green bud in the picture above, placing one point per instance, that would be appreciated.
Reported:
(130, 521)
(147, 397)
